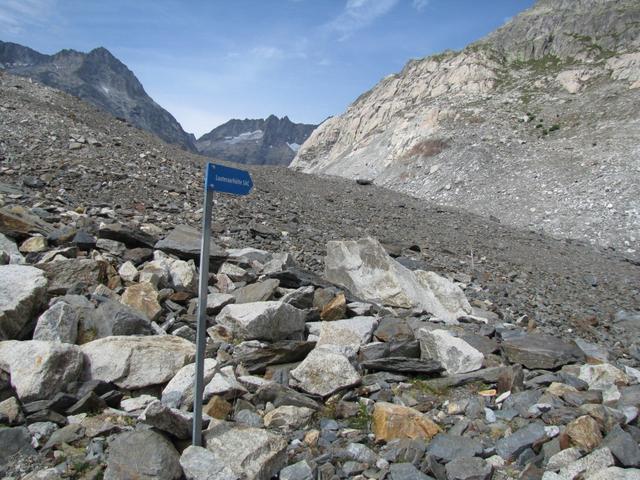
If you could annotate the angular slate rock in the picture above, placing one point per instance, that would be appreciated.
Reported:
(132, 238)
(446, 447)
(256, 292)
(18, 222)
(281, 395)
(537, 351)
(15, 441)
(513, 445)
(184, 242)
(623, 447)
(393, 329)
(298, 471)
(59, 324)
(66, 274)
(403, 365)
(256, 356)
(114, 318)
(406, 471)
(468, 469)
(170, 420)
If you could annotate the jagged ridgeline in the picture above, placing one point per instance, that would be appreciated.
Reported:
(270, 141)
(537, 125)
(100, 79)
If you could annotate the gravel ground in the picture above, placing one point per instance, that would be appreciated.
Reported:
(74, 155)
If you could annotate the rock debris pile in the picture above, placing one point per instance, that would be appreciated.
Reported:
(370, 371)
(459, 349)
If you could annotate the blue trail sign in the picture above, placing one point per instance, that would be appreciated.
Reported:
(228, 180)
(218, 179)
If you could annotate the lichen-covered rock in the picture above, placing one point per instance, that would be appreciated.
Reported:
(392, 421)
(143, 297)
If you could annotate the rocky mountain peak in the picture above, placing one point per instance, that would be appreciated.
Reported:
(270, 141)
(99, 78)
(576, 29)
(543, 104)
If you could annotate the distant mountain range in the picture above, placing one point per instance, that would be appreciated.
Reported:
(271, 141)
(100, 79)
(104, 81)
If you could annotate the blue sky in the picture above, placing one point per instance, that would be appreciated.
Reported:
(209, 61)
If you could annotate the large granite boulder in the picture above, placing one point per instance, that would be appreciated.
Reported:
(142, 455)
(40, 369)
(365, 269)
(325, 371)
(179, 391)
(270, 321)
(251, 453)
(22, 294)
(201, 464)
(136, 362)
(455, 355)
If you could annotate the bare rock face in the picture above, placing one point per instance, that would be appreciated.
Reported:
(472, 129)
(136, 362)
(22, 293)
(365, 269)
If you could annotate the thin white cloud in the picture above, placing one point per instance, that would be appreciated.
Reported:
(18, 15)
(267, 52)
(359, 14)
(420, 5)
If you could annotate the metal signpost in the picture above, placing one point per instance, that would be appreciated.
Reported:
(218, 179)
